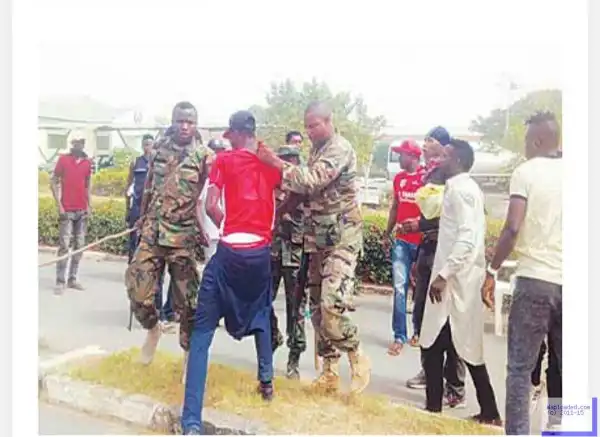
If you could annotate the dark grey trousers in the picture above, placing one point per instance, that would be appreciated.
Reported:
(71, 234)
(536, 311)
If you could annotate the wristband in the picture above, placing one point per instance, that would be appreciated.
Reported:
(491, 271)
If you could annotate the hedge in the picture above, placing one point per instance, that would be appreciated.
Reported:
(108, 217)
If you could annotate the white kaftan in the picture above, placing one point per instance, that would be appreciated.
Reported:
(460, 259)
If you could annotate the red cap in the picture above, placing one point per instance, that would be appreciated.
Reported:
(408, 146)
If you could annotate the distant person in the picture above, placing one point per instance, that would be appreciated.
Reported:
(533, 228)
(136, 180)
(453, 317)
(294, 138)
(71, 188)
(404, 245)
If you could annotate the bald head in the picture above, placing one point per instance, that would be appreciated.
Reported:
(543, 135)
(318, 122)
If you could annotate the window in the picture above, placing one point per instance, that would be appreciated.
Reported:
(103, 142)
(56, 141)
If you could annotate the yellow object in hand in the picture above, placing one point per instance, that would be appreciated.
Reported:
(429, 199)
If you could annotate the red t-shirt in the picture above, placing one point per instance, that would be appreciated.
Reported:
(405, 187)
(249, 192)
(74, 174)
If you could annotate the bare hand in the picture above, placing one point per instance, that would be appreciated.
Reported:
(202, 238)
(267, 156)
(410, 226)
(436, 289)
(139, 223)
(487, 291)
(61, 210)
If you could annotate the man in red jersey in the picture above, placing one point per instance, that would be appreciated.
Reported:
(404, 245)
(71, 189)
(236, 283)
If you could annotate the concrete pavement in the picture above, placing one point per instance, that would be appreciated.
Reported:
(99, 316)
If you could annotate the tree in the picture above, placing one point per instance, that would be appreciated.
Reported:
(285, 111)
(493, 126)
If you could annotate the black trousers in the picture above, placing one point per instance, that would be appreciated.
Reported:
(434, 374)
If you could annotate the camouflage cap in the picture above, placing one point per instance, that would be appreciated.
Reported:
(288, 151)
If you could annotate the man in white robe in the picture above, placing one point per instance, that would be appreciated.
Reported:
(453, 317)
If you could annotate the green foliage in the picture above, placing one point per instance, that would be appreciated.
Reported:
(493, 126)
(110, 182)
(108, 217)
(43, 181)
(285, 111)
(124, 157)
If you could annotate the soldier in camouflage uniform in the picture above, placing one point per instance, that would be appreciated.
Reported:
(332, 240)
(286, 254)
(170, 232)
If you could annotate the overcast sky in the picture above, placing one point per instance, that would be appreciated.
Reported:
(417, 63)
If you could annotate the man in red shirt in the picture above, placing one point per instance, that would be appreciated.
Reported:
(71, 189)
(236, 283)
(404, 245)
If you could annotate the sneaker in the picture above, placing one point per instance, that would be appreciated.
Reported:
(74, 285)
(266, 390)
(193, 431)
(59, 288)
(452, 400)
(417, 382)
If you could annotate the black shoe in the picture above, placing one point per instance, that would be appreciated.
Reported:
(266, 390)
(293, 366)
(277, 341)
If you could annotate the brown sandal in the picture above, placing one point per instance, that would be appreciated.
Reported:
(395, 348)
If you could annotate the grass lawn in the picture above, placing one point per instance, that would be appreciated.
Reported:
(296, 409)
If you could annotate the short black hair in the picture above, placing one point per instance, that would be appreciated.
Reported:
(542, 117)
(291, 134)
(185, 105)
(147, 137)
(464, 153)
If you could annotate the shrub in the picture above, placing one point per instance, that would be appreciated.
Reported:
(110, 182)
(108, 217)
(43, 181)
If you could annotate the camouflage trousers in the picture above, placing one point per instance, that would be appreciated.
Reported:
(331, 284)
(142, 278)
(72, 227)
(295, 306)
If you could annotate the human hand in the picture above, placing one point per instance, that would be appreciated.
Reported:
(409, 226)
(202, 238)
(436, 289)
(61, 210)
(267, 156)
(488, 291)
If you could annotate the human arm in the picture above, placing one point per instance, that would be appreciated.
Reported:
(314, 178)
(55, 183)
(216, 181)
(88, 191)
(517, 208)
(146, 196)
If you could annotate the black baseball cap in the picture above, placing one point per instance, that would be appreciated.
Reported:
(241, 121)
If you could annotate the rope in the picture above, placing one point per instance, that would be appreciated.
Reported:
(89, 246)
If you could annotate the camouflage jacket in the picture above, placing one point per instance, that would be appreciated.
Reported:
(174, 183)
(288, 236)
(332, 216)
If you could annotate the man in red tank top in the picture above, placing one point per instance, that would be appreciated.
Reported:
(404, 245)
(236, 283)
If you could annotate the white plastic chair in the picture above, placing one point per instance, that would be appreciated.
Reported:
(502, 289)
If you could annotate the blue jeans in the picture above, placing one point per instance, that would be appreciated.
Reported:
(403, 256)
(212, 306)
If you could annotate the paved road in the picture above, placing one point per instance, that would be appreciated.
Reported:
(99, 316)
(60, 420)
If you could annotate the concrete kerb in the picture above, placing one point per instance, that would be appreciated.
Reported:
(138, 410)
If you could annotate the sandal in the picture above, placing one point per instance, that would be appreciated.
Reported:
(395, 348)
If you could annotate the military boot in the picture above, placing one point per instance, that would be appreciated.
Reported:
(329, 380)
(293, 366)
(360, 366)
